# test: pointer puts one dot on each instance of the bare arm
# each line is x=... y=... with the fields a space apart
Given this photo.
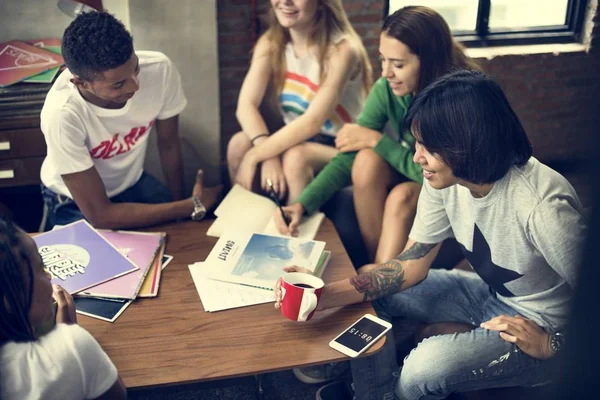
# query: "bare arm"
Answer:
x=402 y=272
x=89 y=194
x=169 y=149
x=253 y=91
x=116 y=392
x=341 y=64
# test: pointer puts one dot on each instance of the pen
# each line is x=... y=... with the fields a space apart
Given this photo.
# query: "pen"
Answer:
x=274 y=195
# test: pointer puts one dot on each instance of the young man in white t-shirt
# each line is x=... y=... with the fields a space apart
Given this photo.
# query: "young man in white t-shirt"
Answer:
x=96 y=120
x=520 y=226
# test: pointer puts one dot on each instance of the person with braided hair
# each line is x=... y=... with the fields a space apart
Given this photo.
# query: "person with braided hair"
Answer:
x=64 y=363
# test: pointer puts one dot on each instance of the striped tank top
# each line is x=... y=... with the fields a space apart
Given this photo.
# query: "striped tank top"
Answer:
x=301 y=86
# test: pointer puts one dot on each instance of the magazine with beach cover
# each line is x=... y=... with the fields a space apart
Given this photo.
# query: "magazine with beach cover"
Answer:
x=257 y=260
x=78 y=257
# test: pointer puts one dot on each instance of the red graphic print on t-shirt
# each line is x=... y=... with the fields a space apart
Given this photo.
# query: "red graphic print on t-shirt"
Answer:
x=120 y=144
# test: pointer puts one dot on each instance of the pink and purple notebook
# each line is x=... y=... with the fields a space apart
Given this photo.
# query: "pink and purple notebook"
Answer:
x=78 y=257
x=139 y=247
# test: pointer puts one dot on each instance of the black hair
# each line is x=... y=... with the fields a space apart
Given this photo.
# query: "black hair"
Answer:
x=466 y=120
x=15 y=292
x=95 y=42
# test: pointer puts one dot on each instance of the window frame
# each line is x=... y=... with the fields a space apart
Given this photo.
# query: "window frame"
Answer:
x=482 y=36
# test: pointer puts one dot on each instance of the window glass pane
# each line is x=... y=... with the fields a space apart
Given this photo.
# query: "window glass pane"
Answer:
x=527 y=13
x=461 y=15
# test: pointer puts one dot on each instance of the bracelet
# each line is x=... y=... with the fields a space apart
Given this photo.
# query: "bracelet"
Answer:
x=256 y=137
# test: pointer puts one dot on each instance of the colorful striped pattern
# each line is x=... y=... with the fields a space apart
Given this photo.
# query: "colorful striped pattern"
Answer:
x=298 y=92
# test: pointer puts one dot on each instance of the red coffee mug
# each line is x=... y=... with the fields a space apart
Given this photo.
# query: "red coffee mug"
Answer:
x=300 y=295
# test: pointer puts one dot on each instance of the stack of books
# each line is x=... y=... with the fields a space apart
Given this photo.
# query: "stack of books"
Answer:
x=242 y=268
x=27 y=70
x=104 y=270
x=244 y=265
x=36 y=61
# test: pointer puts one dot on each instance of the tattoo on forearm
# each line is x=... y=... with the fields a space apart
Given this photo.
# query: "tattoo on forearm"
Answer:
x=388 y=277
x=416 y=251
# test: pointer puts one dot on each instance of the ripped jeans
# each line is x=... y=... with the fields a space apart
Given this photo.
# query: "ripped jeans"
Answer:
x=443 y=364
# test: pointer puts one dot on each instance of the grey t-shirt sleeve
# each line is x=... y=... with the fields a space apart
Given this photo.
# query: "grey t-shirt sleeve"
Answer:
x=431 y=223
x=558 y=231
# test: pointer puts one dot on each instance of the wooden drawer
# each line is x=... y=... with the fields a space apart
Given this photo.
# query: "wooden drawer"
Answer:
x=22 y=143
x=20 y=172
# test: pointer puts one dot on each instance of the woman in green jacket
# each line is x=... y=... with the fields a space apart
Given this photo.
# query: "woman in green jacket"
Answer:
x=416 y=47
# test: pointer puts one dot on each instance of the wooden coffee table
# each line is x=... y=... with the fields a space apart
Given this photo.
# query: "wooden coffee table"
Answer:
x=170 y=339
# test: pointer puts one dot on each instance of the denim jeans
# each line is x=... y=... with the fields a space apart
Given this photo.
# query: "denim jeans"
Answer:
x=443 y=364
x=63 y=210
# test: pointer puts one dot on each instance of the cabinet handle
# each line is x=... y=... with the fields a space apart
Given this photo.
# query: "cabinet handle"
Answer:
x=5 y=145
x=7 y=174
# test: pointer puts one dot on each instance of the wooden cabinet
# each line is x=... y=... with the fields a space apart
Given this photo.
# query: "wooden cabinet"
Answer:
x=22 y=151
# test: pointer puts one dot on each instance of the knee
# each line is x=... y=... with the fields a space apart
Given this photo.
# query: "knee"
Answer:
x=403 y=199
x=236 y=148
x=425 y=370
x=293 y=161
x=366 y=170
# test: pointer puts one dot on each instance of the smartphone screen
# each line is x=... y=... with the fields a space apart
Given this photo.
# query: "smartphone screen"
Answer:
x=360 y=335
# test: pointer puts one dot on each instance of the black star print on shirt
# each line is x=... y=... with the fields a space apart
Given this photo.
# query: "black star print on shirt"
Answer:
x=481 y=260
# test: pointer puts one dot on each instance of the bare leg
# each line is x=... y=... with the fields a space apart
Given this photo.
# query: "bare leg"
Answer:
x=300 y=164
x=372 y=179
x=398 y=217
x=238 y=145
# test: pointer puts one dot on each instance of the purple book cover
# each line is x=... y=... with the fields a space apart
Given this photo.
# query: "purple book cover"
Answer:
x=140 y=248
x=77 y=257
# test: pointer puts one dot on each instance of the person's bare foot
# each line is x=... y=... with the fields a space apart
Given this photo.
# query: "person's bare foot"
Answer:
x=209 y=196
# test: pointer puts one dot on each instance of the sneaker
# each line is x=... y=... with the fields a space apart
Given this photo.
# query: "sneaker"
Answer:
x=321 y=373
x=335 y=391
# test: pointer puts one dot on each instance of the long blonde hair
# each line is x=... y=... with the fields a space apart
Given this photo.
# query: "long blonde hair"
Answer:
x=330 y=19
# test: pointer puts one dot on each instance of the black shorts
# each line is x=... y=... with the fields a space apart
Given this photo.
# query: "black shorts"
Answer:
x=321 y=138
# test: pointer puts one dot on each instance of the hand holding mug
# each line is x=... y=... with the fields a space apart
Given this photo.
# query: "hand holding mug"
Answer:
x=277 y=288
x=298 y=294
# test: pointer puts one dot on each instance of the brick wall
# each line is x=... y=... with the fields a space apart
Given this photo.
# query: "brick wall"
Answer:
x=557 y=97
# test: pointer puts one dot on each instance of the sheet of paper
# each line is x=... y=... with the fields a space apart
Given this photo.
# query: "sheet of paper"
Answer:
x=242 y=210
x=217 y=295
x=307 y=229
x=240 y=199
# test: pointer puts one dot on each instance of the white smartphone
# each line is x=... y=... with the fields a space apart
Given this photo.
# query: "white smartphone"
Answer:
x=361 y=335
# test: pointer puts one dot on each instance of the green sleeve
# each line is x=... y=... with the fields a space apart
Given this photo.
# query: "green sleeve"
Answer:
x=336 y=175
x=374 y=114
x=399 y=157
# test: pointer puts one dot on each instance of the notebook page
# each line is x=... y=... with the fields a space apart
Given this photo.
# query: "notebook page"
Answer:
x=242 y=210
x=307 y=230
x=217 y=295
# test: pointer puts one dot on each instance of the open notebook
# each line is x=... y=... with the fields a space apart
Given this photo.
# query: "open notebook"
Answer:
x=244 y=211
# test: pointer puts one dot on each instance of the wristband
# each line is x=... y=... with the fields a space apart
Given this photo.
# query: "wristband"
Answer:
x=256 y=137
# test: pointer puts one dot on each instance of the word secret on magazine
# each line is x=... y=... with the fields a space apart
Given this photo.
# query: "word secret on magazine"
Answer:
x=59 y=265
